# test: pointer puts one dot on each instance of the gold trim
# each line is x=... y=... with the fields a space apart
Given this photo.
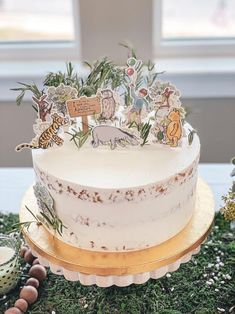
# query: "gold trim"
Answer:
x=123 y=263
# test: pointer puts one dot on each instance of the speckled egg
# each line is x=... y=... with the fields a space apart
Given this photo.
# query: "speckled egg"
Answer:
x=29 y=293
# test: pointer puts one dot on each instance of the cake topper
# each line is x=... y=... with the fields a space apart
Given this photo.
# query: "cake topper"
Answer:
x=59 y=95
x=114 y=106
x=44 y=107
x=113 y=136
x=84 y=107
x=167 y=127
x=48 y=137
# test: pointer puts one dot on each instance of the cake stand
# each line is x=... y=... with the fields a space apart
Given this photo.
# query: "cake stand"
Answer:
x=120 y=268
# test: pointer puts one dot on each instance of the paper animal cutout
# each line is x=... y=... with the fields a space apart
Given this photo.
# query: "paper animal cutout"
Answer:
x=84 y=107
x=174 y=128
x=49 y=136
x=44 y=108
x=108 y=104
x=167 y=127
x=113 y=136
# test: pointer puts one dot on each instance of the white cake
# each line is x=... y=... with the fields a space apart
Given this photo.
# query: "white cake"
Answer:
x=120 y=200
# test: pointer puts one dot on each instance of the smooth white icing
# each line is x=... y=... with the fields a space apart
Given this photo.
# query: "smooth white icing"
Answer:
x=120 y=168
x=124 y=225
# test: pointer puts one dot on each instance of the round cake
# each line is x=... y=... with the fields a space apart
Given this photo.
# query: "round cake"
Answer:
x=115 y=160
x=123 y=199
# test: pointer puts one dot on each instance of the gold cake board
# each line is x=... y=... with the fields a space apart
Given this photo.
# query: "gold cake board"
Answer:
x=120 y=268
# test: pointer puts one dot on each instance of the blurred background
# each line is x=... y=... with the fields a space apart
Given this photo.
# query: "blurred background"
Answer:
x=193 y=41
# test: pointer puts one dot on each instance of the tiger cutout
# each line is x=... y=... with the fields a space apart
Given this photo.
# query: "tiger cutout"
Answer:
x=49 y=136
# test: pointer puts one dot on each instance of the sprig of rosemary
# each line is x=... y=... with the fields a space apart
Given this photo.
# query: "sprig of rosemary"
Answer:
x=27 y=87
x=79 y=137
x=143 y=129
x=50 y=220
x=191 y=136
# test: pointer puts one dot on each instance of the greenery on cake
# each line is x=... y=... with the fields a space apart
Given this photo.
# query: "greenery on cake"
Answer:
x=137 y=88
x=205 y=285
x=49 y=219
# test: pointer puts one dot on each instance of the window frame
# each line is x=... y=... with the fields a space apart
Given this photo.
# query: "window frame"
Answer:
x=186 y=48
x=55 y=50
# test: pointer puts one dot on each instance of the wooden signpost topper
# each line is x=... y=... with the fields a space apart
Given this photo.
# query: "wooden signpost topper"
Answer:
x=84 y=107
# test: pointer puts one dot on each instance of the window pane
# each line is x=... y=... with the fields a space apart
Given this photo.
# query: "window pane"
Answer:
x=28 y=20
x=198 y=19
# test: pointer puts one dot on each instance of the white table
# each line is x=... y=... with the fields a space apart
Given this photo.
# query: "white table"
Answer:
x=14 y=182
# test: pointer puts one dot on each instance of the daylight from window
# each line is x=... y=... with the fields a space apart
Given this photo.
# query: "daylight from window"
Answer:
x=30 y=21
x=198 y=19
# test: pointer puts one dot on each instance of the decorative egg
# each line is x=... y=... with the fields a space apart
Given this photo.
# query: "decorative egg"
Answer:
x=13 y=310
x=23 y=250
x=38 y=271
x=32 y=282
x=21 y=304
x=36 y=261
x=130 y=71
x=29 y=293
x=28 y=257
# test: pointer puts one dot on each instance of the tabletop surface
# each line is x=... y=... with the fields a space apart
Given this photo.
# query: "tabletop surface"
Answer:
x=15 y=181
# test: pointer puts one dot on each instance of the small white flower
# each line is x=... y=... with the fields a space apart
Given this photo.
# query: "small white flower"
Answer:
x=222 y=282
x=208 y=283
x=220 y=309
x=229 y=277
x=210 y=265
x=217 y=266
x=216 y=290
x=216 y=278
x=172 y=289
x=221 y=264
x=215 y=249
x=53 y=312
x=168 y=275
x=216 y=227
x=85 y=306
x=205 y=275
x=217 y=259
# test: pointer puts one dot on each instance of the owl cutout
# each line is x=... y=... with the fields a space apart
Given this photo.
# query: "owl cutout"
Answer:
x=108 y=104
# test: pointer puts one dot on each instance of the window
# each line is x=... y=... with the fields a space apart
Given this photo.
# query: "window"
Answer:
x=38 y=29
x=194 y=28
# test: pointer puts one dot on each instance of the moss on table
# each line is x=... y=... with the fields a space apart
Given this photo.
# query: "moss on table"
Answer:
x=203 y=285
